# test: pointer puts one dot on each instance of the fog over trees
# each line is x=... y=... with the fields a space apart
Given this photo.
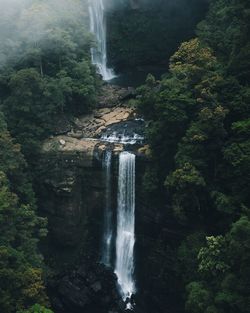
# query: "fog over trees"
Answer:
x=32 y=22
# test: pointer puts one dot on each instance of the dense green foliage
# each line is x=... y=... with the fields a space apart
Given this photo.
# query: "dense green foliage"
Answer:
x=47 y=73
x=198 y=130
x=21 y=282
x=36 y=309
x=45 y=77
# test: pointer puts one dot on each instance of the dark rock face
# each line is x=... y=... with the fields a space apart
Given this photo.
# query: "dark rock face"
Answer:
x=146 y=32
x=70 y=194
x=112 y=95
x=90 y=289
x=127 y=128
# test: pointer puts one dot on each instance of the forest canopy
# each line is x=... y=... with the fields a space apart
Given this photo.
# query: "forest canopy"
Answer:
x=198 y=118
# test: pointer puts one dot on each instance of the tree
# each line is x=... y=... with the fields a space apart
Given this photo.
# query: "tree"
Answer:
x=29 y=113
x=187 y=184
x=20 y=270
x=198 y=130
x=36 y=309
x=226 y=30
x=13 y=164
x=224 y=269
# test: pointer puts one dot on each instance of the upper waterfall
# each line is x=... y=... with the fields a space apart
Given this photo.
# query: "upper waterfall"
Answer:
x=125 y=240
x=98 y=28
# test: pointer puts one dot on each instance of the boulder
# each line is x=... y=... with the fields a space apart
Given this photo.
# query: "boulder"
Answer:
x=62 y=142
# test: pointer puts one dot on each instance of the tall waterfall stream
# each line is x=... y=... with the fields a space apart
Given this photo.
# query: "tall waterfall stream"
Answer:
x=98 y=28
x=125 y=239
x=125 y=226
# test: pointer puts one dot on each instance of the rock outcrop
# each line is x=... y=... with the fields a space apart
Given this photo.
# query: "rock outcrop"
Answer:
x=93 y=125
x=111 y=96
x=89 y=288
x=85 y=134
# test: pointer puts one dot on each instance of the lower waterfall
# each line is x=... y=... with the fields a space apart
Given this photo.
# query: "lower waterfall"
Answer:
x=108 y=215
x=125 y=239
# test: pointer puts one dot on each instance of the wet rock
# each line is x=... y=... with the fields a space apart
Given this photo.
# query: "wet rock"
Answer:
x=96 y=286
x=73 y=292
x=100 y=130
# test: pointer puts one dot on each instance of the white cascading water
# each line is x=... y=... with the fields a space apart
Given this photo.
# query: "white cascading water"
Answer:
x=98 y=28
x=108 y=224
x=125 y=240
x=124 y=139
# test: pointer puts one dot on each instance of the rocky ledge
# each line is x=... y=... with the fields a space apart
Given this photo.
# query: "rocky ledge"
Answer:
x=93 y=125
x=86 y=133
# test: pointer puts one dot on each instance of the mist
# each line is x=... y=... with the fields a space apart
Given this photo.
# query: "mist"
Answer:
x=30 y=23
x=27 y=22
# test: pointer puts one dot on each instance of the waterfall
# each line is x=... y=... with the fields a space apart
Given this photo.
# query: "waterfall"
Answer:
x=108 y=223
x=125 y=240
x=124 y=139
x=98 y=28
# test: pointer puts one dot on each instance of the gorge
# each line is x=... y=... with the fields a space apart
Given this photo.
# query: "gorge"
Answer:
x=113 y=146
x=124 y=156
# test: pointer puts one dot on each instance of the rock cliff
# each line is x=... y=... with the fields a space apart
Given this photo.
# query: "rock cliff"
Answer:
x=71 y=193
x=71 y=184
